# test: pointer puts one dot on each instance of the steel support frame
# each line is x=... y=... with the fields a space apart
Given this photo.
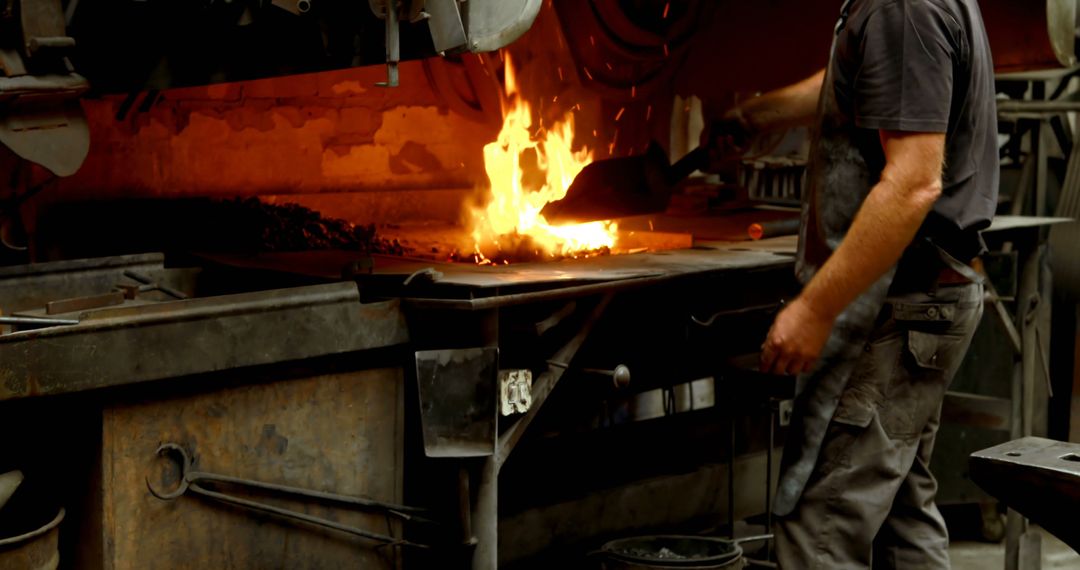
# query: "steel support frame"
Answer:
x=483 y=515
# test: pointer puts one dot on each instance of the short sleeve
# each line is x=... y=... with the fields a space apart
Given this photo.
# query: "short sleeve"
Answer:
x=905 y=78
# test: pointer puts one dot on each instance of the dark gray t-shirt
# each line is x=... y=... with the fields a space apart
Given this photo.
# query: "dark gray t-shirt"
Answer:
x=925 y=66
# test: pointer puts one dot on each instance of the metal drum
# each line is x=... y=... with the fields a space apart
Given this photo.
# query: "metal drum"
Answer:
x=670 y=551
x=34 y=550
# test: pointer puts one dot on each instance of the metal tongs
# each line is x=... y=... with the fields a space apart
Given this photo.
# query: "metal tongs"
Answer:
x=192 y=480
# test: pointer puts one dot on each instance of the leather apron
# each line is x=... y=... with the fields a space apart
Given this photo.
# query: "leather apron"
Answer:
x=839 y=179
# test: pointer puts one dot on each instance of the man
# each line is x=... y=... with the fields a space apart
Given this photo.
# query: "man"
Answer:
x=903 y=173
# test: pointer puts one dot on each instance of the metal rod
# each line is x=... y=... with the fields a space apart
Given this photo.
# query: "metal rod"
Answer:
x=148 y=282
x=994 y=299
x=393 y=44
x=1027 y=175
x=1016 y=107
x=768 y=478
x=1039 y=135
x=773 y=307
x=36 y=321
x=262 y=507
x=199 y=477
x=465 y=505
x=731 y=466
x=485 y=517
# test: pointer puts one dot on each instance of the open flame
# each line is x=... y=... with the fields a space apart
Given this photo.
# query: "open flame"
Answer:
x=527 y=168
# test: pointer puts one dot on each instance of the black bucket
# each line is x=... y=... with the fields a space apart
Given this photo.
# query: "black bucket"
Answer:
x=665 y=552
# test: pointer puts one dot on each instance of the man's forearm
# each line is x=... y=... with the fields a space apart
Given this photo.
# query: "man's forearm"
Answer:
x=791 y=106
x=885 y=225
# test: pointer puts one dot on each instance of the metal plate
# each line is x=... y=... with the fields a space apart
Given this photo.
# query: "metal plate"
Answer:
x=447 y=30
x=55 y=136
x=458 y=401
x=495 y=23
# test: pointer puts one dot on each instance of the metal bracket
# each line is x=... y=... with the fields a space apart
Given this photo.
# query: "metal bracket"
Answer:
x=784 y=410
x=515 y=391
x=393 y=41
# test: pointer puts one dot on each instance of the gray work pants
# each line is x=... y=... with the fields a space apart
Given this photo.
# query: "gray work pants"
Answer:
x=870 y=499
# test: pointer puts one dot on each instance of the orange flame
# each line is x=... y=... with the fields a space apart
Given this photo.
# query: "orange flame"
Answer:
x=513 y=212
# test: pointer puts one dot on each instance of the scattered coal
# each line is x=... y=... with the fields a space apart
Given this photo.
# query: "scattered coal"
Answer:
x=241 y=225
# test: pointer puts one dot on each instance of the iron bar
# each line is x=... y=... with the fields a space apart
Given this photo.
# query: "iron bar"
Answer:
x=485 y=516
x=1038 y=108
x=36 y=321
x=731 y=463
x=536 y=296
x=400 y=511
x=768 y=477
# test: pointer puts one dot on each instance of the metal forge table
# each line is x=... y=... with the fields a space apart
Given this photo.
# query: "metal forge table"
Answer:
x=490 y=345
x=481 y=350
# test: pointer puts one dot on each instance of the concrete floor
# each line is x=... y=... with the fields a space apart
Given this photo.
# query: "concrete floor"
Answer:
x=965 y=555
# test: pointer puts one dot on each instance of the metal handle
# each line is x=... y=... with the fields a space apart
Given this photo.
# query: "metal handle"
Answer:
x=755 y=538
x=620 y=375
x=36 y=321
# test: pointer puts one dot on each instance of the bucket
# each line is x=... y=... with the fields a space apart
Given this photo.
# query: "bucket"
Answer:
x=34 y=550
x=666 y=552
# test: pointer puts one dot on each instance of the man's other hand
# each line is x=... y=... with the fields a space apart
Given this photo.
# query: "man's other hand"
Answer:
x=795 y=340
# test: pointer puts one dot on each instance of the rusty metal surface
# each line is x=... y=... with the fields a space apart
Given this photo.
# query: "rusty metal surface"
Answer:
x=1039 y=478
x=338 y=433
x=126 y=345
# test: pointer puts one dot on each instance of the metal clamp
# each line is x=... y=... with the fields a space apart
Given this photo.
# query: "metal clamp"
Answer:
x=770 y=308
x=192 y=480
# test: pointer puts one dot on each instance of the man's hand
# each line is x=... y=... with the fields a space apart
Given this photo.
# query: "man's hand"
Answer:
x=726 y=139
x=795 y=339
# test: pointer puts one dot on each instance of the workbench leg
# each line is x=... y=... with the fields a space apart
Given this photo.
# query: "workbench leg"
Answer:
x=485 y=518
x=1014 y=528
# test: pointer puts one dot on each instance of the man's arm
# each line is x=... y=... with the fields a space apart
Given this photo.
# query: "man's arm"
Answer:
x=792 y=106
x=885 y=225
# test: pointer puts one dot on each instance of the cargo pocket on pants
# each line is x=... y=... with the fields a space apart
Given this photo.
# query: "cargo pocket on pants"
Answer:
x=919 y=382
x=865 y=390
